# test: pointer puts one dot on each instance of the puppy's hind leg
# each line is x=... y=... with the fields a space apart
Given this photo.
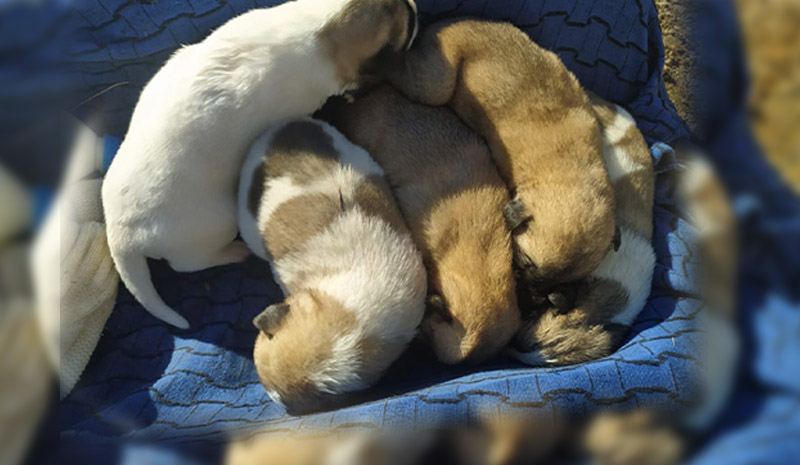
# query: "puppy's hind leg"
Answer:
x=234 y=252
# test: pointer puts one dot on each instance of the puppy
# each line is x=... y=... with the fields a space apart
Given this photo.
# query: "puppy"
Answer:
x=593 y=323
x=542 y=134
x=452 y=197
x=317 y=207
x=170 y=192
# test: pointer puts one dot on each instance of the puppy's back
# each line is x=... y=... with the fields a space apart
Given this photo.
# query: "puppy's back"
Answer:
x=452 y=197
x=407 y=139
x=308 y=196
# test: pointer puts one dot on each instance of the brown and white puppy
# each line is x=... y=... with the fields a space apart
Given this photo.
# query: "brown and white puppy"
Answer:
x=318 y=208
x=592 y=323
x=542 y=134
x=452 y=198
x=170 y=192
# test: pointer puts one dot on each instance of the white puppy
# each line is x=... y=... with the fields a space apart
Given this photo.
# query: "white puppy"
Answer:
x=170 y=192
x=319 y=209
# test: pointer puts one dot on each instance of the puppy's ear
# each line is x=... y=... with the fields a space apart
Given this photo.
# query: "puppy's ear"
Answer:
x=617 y=240
x=515 y=214
x=271 y=319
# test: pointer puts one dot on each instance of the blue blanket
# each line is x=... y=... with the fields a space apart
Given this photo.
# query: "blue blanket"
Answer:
x=192 y=389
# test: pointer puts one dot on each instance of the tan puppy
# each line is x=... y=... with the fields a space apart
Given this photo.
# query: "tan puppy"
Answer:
x=318 y=208
x=592 y=322
x=452 y=197
x=542 y=133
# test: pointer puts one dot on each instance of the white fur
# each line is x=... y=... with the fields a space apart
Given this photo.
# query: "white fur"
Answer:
x=622 y=122
x=632 y=266
x=338 y=373
x=378 y=273
x=170 y=191
x=618 y=161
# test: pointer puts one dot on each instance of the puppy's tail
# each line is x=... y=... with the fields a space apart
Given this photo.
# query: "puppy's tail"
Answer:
x=135 y=274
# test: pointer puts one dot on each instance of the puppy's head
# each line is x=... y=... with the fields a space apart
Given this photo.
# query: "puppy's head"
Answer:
x=560 y=235
x=367 y=38
x=472 y=308
x=310 y=348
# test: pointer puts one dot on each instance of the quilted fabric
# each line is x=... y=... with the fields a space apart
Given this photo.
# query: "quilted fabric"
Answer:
x=193 y=388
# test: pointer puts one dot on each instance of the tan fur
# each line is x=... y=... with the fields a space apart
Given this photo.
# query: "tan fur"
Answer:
x=517 y=439
x=301 y=218
x=298 y=220
x=284 y=361
x=637 y=437
x=302 y=163
x=367 y=37
x=452 y=198
x=633 y=194
x=374 y=197
x=541 y=131
x=302 y=151
x=585 y=331
x=312 y=346
x=277 y=449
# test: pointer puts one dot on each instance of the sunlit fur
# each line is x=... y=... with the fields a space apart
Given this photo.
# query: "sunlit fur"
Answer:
x=452 y=197
x=170 y=192
x=317 y=207
x=542 y=133
x=614 y=293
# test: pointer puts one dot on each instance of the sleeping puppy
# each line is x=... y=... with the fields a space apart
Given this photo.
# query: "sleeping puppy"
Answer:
x=452 y=197
x=542 y=134
x=170 y=192
x=317 y=207
x=592 y=323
